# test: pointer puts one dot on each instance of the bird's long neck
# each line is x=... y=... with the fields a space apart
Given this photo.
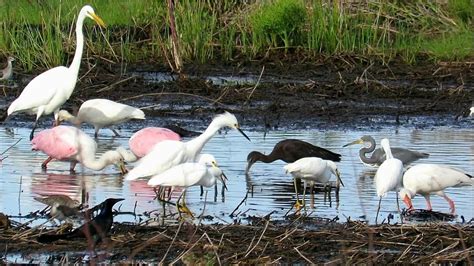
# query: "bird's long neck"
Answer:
x=367 y=160
x=268 y=158
x=388 y=153
x=198 y=143
x=76 y=62
x=104 y=160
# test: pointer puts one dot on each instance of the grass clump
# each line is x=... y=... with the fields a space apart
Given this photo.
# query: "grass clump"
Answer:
x=278 y=23
x=451 y=46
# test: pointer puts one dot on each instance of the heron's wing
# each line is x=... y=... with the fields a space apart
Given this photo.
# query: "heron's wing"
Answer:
x=163 y=156
x=182 y=175
x=298 y=149
x=41 y=90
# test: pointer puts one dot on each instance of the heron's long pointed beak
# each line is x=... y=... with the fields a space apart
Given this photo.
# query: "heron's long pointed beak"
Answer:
x=97 y=19
x=245 y=135
x=359 y=141
x=338 y=175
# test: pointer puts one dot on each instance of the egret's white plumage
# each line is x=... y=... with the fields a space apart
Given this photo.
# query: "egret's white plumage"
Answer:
x=313 y=169
x=389 y=175
x=425 y=179
x=169 y=153
x=472 y=111
x=48 y=91
x=102 y=113
x=187 y=175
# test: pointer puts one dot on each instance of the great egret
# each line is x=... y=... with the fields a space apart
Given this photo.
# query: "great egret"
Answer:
x=186 y=175
x=66 y=143
x=102 y=113
x=378 y=156
x=47 y=92
x=425 y=179
x=312 y=169
x=389 y=175
x=290 y=150
x=169 y=153
x=7 y=72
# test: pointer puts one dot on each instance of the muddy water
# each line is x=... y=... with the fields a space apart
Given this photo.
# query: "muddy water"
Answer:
x=22 y=177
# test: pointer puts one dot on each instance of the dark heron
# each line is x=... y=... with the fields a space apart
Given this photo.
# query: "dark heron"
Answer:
x=290 y=150
x=378 y=156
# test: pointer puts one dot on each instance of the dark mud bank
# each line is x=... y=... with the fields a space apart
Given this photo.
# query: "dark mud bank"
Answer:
x=329 y=94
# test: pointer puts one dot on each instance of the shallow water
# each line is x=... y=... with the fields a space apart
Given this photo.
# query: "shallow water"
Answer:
x=22 y=176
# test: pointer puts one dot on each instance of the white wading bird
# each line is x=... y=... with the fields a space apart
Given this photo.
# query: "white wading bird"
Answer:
x=102 y=113
x=425 y=179
x=389 y=175
x=312 y=169
x=169 y=153
x=47 y=92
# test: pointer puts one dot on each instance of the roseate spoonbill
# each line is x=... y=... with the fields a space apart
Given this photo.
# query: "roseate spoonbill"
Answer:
x=7 y=72
x=312 y=169
x=47 y=92
x=425 y=179
x=290 y=150
x=102 y=113
x=378 y=156
x=67 y=143
x=142 y=141
x=169 y=153
x=389 y=175
x=186 y=175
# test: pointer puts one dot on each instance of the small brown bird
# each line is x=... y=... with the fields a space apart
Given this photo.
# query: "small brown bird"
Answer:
x=7 y=72
x=63 y=207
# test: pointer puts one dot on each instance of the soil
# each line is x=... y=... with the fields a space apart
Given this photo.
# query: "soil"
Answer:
x=335 y=93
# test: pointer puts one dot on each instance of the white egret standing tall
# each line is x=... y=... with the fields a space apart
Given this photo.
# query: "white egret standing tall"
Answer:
x=47 y=92
x=389 y=175
x=425 y=179
x=169 y=153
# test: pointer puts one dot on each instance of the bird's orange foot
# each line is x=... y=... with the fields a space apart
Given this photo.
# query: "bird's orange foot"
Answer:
x=299 y=205
x=185 y=209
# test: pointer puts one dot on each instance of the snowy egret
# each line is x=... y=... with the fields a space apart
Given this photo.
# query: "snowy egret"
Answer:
x=102 y=113
x=169 y=153
x=186 y=175
x=66 y=143
x=47 y=92
x=378 y=156
x=312 y=169
x=290 y=150
x=425 y=179
x=389 y=175
x=472 y=111
x=7 y=72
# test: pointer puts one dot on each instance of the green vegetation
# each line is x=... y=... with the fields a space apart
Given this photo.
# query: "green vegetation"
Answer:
x=40 y=33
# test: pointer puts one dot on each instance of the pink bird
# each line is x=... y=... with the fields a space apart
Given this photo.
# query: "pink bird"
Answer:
x=66 y=143
x=143 y=140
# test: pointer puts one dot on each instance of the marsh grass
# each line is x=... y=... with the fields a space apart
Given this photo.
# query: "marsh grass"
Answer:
x=41 y=33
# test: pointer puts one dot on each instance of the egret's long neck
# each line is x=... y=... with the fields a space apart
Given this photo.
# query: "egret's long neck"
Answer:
x=107 y=158
x=198 y=143
x=76 y=62
x=388 y=152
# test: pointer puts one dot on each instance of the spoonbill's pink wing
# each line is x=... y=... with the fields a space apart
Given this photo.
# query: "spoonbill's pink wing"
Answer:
x=58 y=142
x=143 y=140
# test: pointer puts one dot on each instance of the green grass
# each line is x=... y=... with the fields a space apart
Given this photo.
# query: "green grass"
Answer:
x=39 y=32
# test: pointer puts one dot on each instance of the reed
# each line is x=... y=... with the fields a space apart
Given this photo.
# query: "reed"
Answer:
x=40 y=35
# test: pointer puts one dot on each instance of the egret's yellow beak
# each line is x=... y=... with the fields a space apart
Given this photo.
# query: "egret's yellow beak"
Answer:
x=359 y=141
x=97 y=19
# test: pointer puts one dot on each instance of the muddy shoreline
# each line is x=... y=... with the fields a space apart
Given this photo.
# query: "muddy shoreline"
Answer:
x=337 y=93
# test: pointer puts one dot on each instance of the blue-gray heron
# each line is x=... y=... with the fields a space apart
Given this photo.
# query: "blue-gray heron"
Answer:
x=378 y=156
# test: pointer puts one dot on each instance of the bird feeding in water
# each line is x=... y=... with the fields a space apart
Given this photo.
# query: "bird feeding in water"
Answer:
x=7 y=72
x=47 y=92
x=186 y=175
x=425 y=179
x=389 y=175
x=142 y=141
x=169 y=153
x=312 y=169
x=290 y=150
x=378 y=156
x=102 y=113
x=66 y=143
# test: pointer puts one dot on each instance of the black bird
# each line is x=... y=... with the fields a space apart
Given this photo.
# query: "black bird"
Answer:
x=181 y=131
x=290 y=150
x=378 y=156
x=94 y=230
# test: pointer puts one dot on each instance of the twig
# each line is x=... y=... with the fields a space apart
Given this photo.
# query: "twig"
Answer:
x=241 y=202
x=172 y=242
x=256 y=84
x=11 y=146
x=109 y=87
x=260 y=238
x=170 y=93
x=308 y=260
